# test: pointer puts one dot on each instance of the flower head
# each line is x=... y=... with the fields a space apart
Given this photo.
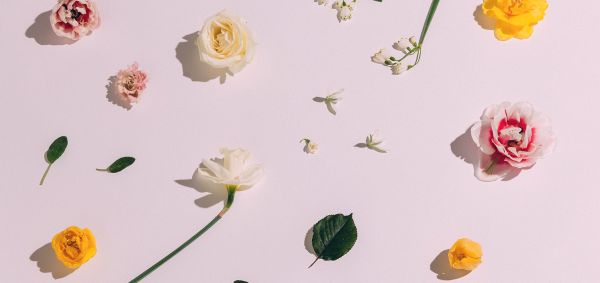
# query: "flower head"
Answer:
x=74 y=246
x=514 y=18
x=232 y=169
x=398 y=68
x=310 y=147
x=380 y=57
x=225 y=42
x=74 y=18
x=405 y=45
x=513 y=137
x=465 y=254
x=131 y=82
x=344 y=9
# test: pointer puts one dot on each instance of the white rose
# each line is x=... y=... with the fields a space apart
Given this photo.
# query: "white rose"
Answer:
x=225 y=42
x=233 y=169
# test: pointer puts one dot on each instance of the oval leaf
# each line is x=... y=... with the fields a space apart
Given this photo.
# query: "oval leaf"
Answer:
x=120 y=164
x=56 y=149
x=334 y=236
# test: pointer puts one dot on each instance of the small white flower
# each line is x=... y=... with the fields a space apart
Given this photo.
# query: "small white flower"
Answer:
x=373 y=141
x=310 y=147
x=413 y=41
x=232 y=171
x=380 y=57
x=321 y=2
x=344 y=8
x=398 y=68
x=345 y=13
x=403 y=45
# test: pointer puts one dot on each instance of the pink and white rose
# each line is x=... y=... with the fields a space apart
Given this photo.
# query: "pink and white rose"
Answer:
x=511 y=137
x=131 y=82
x=74 y=18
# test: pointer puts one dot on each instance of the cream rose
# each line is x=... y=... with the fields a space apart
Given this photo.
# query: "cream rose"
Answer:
x=225 y=42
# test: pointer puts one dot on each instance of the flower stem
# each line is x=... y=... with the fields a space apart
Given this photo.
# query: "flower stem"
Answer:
x=430 y=14
x=231 y=189
x=45 y=174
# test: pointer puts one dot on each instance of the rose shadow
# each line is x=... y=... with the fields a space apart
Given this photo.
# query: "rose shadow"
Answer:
x=216 y=193
x=41 y=31
x=113 y=96
x=482 y=20
x=48 y=263
x=441 y=266
x=188 y=55
x=465 y=149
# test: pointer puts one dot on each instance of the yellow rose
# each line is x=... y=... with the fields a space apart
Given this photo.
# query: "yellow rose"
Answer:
x=514 y=18
x=225 y=42
x=465 y=254
x=74 y=246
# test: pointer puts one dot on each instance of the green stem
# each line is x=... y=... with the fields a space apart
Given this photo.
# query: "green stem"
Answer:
x=430 y=14
x=313 y=263
x=231 y=189
x=101 y=170
x=45 y=174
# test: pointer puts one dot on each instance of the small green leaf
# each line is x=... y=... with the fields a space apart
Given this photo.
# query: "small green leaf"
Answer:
x=333 y=237
x=119 y=165
x=56 y=149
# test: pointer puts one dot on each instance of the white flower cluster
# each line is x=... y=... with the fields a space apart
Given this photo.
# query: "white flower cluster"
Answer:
x=408 y=46
x=344 y=8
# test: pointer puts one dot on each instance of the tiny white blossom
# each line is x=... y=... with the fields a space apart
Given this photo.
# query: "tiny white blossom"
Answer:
x=413 y=40
x=321 y=2
x=310 y=147
x=398 y=68
x=380 y=57
x=403 y=45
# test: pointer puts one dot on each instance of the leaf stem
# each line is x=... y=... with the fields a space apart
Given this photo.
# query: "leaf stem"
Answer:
x=313 y=263
x=101 y=170
x=231 y=189
x=45 y=174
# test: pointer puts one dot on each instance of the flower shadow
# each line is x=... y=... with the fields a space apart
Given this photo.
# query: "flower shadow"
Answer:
x=41 y=31
x=113 y=96
x=48 y=263
x=465 y=148
x=215 y=193
x=193 y=68
x=441 y=266
x=482 y=20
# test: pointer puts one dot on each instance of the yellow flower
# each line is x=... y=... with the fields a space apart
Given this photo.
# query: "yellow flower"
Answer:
x=514 y=18
x=74 y=246
x=465 y=254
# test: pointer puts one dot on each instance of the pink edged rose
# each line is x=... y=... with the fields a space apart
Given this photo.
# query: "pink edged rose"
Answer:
x=131 y=82
x=511 y=137
x=74 y=18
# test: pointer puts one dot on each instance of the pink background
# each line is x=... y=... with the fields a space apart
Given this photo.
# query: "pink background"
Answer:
x=409 y=205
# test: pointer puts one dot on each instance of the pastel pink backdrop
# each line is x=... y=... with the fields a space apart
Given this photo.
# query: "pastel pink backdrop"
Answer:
x=409 y=205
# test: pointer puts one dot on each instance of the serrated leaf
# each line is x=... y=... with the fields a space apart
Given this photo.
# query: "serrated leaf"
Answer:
x=333 y=236
x=56 y=149
x=120 y=164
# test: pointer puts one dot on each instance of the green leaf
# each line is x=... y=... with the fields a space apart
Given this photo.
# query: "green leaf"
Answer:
x=56 y=149
x=333 y=237
x=119 y=164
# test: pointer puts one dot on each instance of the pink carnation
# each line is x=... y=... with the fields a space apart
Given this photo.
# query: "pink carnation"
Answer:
x=74 y=18
x=131 y=82
x=511 y=137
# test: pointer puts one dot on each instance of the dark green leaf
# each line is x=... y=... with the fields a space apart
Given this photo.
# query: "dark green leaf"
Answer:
x=333 y=236
x=56 y=149
x=120 y=164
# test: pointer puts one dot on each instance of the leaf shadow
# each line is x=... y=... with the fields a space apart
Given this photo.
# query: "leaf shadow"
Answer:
x=441 y=266
x=308 y=241
x=41 y=31
x=482 y=20
x=361 y=145
x=48 y=263
x=465 y=149
x=113 y=96
x=192 y=67
x=318 y=99
x=214 y=193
